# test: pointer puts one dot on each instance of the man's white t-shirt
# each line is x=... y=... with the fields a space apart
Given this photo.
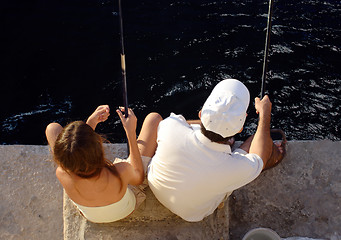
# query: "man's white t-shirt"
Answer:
x=190 y=175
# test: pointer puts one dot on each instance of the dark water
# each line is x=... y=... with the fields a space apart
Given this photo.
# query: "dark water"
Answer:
x=61 y=59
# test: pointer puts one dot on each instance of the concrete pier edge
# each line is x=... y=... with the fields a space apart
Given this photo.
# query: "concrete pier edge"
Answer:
x=299 y=198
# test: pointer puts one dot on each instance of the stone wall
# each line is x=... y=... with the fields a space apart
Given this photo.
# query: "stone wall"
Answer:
x=31 y=205
x=300 y=197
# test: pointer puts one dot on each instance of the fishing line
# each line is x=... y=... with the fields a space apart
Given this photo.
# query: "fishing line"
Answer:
x=123 y=63
x=266 y=51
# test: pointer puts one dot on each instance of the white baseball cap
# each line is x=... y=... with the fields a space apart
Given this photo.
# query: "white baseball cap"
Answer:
x=224 y=111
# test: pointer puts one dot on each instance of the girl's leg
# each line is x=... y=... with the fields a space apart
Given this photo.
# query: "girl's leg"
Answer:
x=148 y=134
x=52 y=131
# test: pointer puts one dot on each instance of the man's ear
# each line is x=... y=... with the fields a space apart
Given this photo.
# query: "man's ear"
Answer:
x=199 y=114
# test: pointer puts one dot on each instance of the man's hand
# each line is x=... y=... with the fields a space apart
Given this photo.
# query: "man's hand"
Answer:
x=101 y=114
x=263 y=107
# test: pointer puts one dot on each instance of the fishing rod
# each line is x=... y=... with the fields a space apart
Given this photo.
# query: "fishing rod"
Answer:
x=273 y=132
x=266 y=51
x=123 y=63
x=123 y=68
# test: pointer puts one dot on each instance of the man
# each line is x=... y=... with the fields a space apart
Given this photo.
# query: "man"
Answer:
x=193 y=169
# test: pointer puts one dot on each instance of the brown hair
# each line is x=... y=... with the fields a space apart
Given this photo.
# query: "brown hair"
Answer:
x=79 y=149
x=214 y=137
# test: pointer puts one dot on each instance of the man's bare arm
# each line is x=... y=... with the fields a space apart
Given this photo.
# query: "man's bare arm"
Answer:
x=262 y=143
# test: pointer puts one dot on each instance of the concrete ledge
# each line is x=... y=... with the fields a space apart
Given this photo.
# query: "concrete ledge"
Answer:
x=151 y=221
x=30 y=199
x=299 y=198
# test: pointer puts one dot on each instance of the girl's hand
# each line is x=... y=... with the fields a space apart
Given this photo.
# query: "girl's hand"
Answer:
x=101 y=114
x=129 y=123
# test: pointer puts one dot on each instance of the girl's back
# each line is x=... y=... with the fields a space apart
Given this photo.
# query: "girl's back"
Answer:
x=101 y=190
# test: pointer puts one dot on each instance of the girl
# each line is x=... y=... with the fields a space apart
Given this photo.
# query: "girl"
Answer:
x=96 y=186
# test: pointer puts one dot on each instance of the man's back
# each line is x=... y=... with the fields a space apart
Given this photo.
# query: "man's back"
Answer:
x=191 y=175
